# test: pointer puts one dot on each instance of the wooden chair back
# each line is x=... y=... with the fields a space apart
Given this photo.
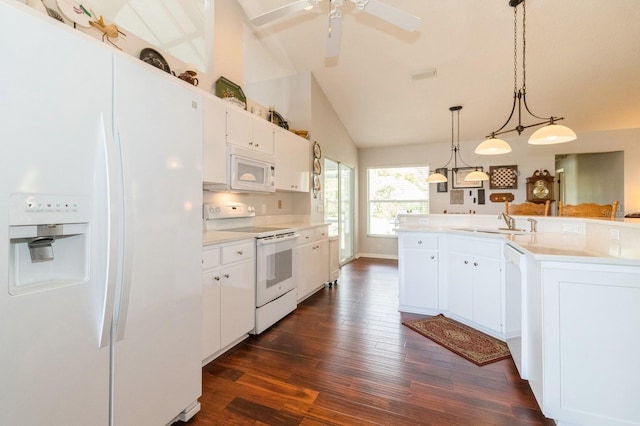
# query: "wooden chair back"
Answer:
x=528 y=209
x=606 y=211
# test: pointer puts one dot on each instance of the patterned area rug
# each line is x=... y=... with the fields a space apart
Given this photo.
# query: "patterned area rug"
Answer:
x=471 y=344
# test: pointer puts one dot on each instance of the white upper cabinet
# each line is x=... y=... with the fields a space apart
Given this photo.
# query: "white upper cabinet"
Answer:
x=249 y=131
x=293 y=161
x=215 y=162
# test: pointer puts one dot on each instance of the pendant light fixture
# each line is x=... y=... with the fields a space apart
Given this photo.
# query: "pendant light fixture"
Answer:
x=552 y=133
x=476 y=175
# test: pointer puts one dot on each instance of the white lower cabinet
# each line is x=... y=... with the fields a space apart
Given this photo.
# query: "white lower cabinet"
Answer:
x=313 y=261
x=228 y=281
x=418 y=264
x=475 y=282
x=587 y=370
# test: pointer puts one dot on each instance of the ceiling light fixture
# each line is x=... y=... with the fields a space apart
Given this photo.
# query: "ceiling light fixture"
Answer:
x=552 y=133
x=476 y=175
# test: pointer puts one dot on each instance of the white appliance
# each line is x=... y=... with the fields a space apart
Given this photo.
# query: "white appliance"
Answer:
x=276 y=260
x=276 y=277
x=100 y=232
x=515 y=308
x=251 y=171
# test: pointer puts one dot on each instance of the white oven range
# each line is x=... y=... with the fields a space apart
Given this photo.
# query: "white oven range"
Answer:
x=276 y=253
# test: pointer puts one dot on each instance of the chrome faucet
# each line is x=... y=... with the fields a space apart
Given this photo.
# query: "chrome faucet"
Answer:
x=511 y=222
x=533 y=224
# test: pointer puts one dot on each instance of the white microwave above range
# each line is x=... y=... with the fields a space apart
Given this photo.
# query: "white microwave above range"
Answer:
x=249 y=171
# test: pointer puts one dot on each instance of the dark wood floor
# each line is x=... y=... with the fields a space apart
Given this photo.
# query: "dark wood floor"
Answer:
x=344 y=358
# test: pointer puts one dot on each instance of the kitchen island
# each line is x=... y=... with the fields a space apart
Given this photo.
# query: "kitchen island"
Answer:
x=577 y=309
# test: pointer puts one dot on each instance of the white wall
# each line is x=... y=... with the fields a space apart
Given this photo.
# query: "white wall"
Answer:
x=527 y=157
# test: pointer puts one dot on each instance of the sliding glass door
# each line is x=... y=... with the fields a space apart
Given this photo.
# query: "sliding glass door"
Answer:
x=338 y=205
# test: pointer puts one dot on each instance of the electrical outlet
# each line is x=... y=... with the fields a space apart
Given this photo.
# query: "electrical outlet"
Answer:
x=614 y=234
x=264 y=208
x=424 y=220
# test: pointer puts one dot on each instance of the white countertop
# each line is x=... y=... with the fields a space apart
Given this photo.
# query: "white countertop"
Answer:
x=553 y=245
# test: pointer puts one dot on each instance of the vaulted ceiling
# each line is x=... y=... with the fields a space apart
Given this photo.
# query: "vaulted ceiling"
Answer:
x=582 y=63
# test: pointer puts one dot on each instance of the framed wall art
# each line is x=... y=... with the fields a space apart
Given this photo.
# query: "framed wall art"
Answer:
x=503 y=177
x=458 y=175
x=442 y=186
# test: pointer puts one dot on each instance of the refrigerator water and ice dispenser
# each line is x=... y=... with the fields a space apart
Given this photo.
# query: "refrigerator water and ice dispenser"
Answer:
x=49 y=244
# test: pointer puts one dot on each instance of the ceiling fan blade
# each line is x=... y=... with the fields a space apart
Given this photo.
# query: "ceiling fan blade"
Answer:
x=393 y=15
x=280 y=12
x=334 y=36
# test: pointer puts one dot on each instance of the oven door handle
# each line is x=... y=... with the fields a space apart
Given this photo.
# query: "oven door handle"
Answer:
x=276 y=239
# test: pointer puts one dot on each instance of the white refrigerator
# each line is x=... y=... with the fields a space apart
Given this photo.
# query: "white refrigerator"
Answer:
x=100 y=232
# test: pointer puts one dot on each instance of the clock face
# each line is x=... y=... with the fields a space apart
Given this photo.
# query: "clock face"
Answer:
x=540 y=189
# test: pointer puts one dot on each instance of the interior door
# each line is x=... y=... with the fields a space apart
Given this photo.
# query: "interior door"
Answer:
x=339 y=205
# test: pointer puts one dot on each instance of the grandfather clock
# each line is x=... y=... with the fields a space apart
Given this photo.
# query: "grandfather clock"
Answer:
x=540 y=187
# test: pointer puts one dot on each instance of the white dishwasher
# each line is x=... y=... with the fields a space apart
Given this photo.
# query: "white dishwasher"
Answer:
x=516 y=307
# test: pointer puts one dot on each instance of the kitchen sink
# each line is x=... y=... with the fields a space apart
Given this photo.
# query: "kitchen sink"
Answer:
x=495 y=231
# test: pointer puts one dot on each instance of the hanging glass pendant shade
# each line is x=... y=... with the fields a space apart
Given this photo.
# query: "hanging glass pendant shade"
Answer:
x=476 y=175
x=436 y=178
x=552 y=134
x=493 y=146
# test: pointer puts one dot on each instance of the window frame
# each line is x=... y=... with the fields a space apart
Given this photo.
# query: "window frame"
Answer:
x=370 y=201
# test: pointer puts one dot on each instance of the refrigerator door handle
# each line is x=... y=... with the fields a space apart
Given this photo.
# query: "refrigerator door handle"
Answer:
x=125 y=250
x=113 y=182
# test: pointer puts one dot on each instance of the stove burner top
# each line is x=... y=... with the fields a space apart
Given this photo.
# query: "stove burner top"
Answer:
x=262 y=231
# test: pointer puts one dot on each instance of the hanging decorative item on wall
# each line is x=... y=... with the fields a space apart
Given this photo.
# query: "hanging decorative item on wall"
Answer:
x=501 y=197
x=503 y=177
x=456 y=196
x=442 y=186
x=540 y=187
x=317 y=169
x=459 y=177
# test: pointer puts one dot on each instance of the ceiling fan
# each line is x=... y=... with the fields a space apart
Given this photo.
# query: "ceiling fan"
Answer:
x=393 y=15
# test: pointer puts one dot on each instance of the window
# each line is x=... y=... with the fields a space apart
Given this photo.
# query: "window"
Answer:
x=392 y=191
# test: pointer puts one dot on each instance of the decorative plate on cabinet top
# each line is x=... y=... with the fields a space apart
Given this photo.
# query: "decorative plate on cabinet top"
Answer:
x=154 y=58
x=317 y=168
x=317 y=152
x=81 y=14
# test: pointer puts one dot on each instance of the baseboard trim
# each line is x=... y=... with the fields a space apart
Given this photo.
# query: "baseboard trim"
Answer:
x=377 y=256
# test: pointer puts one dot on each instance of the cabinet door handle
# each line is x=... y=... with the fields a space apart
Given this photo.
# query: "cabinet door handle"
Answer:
x=433 y=257
x=466 y=262
x=240 y=252
x=475 y=263
x=217 y=278
x=419 y=241
x=226 y=275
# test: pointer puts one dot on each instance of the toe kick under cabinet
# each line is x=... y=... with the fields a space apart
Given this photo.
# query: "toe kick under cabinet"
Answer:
x=228 y=286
